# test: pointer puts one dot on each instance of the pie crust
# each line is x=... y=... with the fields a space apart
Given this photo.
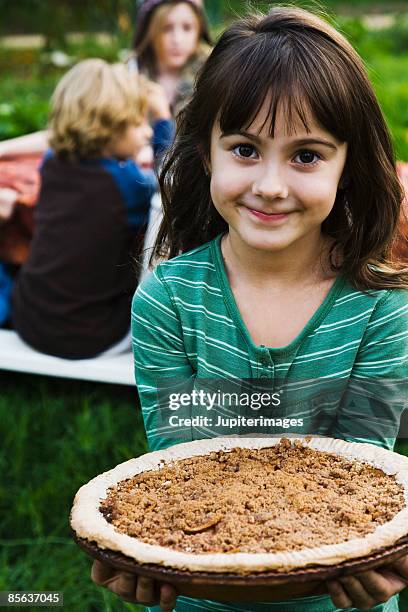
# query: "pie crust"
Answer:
x=88 y=522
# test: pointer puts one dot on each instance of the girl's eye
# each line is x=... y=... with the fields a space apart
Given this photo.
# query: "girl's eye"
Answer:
x=246 y=151
x=307 y=158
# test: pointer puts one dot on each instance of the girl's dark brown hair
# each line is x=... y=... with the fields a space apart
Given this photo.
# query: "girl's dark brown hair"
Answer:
x=308 y=69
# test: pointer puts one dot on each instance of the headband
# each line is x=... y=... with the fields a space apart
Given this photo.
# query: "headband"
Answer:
x=149 y=5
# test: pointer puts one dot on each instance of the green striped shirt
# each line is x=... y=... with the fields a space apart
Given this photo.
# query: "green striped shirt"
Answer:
x=341 y=376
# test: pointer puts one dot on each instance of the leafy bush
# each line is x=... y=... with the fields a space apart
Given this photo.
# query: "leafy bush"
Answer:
x=24 y=105
x=386 y=59
x=30 y=77
x=399 y=34
x=23 y=116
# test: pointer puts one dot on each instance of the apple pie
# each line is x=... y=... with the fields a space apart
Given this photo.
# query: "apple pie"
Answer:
x=248 y=505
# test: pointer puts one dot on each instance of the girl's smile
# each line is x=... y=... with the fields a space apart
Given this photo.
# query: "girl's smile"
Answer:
x=266 y=217
x=275 y=192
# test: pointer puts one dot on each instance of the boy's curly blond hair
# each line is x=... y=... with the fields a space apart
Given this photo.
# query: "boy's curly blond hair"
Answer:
x=92 y=105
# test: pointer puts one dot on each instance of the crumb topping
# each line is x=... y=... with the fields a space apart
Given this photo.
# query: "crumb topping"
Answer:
x=282 y=498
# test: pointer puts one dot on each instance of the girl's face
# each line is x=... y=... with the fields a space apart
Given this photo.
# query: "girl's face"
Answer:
x=178 y=37
x=275 y=192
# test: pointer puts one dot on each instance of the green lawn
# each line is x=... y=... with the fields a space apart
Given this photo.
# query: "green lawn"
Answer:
x=56 y=435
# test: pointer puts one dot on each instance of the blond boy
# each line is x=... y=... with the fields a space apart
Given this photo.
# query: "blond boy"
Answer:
x=72 y=297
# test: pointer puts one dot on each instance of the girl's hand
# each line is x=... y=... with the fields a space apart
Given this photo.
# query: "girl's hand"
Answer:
x=370 y=588
x=145 y=157
x=134 y=589
x=157 y=101
x=8 y=199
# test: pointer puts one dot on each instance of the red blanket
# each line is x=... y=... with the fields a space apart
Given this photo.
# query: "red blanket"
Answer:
x=21 y=174
x=400 y=250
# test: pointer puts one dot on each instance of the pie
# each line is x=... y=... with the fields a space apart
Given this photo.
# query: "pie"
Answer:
x=246 y=505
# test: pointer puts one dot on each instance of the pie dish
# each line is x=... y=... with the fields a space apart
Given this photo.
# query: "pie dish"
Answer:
x=239 y=507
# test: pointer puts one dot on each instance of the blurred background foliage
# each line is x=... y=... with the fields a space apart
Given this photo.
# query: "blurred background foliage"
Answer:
x=55 y=17
x=28 y=74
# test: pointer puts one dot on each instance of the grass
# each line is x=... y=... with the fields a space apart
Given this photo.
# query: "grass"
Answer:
x=56 y=435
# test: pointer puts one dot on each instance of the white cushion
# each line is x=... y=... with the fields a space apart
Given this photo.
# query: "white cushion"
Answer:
x=17 y=356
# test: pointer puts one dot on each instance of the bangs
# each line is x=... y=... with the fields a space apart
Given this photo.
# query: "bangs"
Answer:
x=297 y=78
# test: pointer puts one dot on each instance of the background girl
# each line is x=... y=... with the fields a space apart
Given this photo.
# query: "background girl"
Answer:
x=284 y=168
x=170 y=44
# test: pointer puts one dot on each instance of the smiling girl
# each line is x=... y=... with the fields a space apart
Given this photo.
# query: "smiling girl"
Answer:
x=281 y=201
